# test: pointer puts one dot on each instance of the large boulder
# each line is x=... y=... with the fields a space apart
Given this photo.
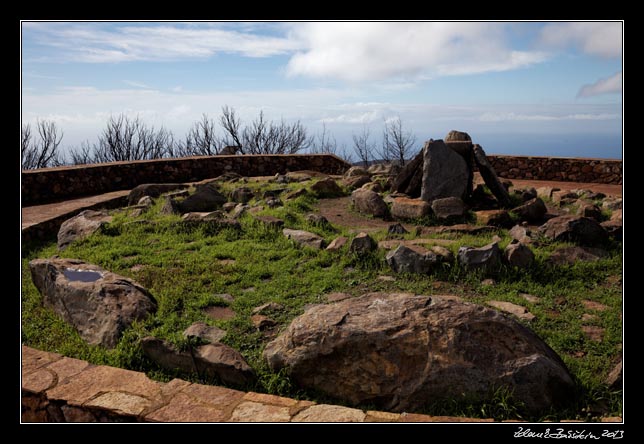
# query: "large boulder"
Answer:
x=489 y=176
x=209 y=360
x=412 y=260
x=152 y=190
x=410 y=179
x=448 y=207
x=369 y=202
x=445 y=173
x=81 y=226
x=402 y=352
x=531 y=211
x=98 y=303
x=485 y=258
x=406 y=208
x=580 y=230
x=205 y=198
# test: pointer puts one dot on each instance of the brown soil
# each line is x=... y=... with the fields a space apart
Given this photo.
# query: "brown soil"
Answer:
x=216 y=312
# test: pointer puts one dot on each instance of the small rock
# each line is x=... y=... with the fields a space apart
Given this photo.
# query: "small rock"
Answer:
x=444 y=254
x=295 y=194
x=204 y=332
x=152 y=189
x=273 y=193
x=369 y=202
x=362 y=243
x=225 y=297
x=396 y=229
x=326 y=188
x=521 y=234
x=612 y=204
x=146 y=201
x=317 y=219
x=546 y=192
x=268 y=308
x=613 y=228
x=273 y=202
x=488 y=282
x=616 y=215
x=494 y=218
x=530 y=298
x=519 y=255
x=352 y=183
x=531 y=211
x=335 y=297
x=559 y=196
x=205 y=198
x=81 y=226
x=406 y=208
x=517 y=310
x=261 y=322
x=528 y=194
x=337 y=243
x=229 y=206
x=448 y=207
x=270 y=221
x=304 y=238
x=486 y=258
x=407 y=260
x=590 y=210
x=580 y=230
x=571 y=255
x=356 y=171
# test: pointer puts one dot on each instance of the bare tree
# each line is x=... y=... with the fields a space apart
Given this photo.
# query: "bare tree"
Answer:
x=231 y=125
x=125 y=139
x=200 y=140
x=345 y=155
x=363 y=147
x=396 y=142
x=324 y=142
x=82 y=155
x=43 y=152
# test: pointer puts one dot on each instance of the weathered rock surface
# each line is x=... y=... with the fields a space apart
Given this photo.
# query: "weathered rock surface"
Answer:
x=152 y=190
x=494 y=218
x=98 y=303
x=210 y=360
x=81 y=226
x=445 y=173
x=327 y=188
x=405 y=208
x=304 y=238
x=401 y=352
x=362 y=243
x=490 y=177
x=242 y=195
x=369 y=202
x=485 y=258
x=356 y=171
x=571 y=255
x=204 y=332
x=397 y=228
x=337 y=243
x=614 y=228
x=412 y=260
x=580 y=230
x=531 y=211
x=614 y=378
x=519 y=255
x=410 y=179
x=205 y=198
x=448 y=207
x=521 y=234
x=353 y=182
x=514 y=309
x=587 y=209
x=612 y=203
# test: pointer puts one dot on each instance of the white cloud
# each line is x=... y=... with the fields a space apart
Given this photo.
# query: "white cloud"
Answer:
x=136 y=84
x=95 y=43
x=378 y=51
x=612 y=84
x=595 y=38
x=368 y=117
x=511 y=116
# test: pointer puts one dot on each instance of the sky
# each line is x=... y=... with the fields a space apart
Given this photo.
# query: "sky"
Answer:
x=523 y=88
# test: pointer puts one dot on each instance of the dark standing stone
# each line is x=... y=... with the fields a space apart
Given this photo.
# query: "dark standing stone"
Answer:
x=410 y=179
x=490 y=177
x=445 y=173
x=462 y=143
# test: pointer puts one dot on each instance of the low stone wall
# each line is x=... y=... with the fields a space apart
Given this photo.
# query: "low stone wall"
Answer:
x=55 y=184
x=558 y=168
x=59 y=389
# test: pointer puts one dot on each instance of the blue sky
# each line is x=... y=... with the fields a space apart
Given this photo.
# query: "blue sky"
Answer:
x=532 y=88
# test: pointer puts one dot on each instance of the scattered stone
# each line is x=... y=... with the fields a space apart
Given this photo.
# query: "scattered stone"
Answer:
x=444 y=254
x=521 y=234
x=519 y=255
x=455 y=229
x=448 y=207
x=530 y=298
x=98 y=303
x=531 y=211
x=261 y=322
x=327 y=188
x=268 y=308
x=337 y=243
x=239 y=210
x=273 y=193
x=386 y=278
x=152 y=190
x=362 y=243
x=205 y=198
x=409 y=180
x=146 y=201
x=488 y=282
x=273 y=202
x=580 y=230
x=242 y=195
x=373 y=186
x=563 y=196
x=586 y=317
x=546 y=192
x=324 y=413
x=592 y=195
x=295 y=194
x=270 y=221
x=406 y=208
x=384 y=169
x=487 y=258
x=589 y=210
x=298 y=176
x=616 y=215
x=445 y=173
x=392 y=244
x=494 y=218
x=528 y=194
x=490 y=177
x=352 y=183
x=514 y=309
x=412 y=260
x=572 y=255
x=317 y=220
x=210 y=360
x=229 y=206
x=219 y=313
x=612 y=204
x=397 y=229
x=213 y=215
x=614 y=378
x=81 y=226
x=401 y=351
x=356 y=171
x=304 y=238
x=369 y=202
x=613 y=228
x=205 y=332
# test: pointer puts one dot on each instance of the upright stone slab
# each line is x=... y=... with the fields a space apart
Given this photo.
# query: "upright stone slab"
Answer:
x=490 y=177
x=461 y=142
x=445 y=173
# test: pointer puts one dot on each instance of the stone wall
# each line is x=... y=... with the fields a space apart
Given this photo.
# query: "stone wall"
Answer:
x=558 y=168
x=55 y=184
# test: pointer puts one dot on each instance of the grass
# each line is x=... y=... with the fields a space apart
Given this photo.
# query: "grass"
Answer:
x=185 y=269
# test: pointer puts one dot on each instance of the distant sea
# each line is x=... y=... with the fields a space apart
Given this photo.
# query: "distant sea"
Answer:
x=605 y=146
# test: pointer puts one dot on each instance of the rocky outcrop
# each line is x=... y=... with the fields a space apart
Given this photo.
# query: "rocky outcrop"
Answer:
x=576 y=229
x=81 y=226
x=401 y=352
x=98 y=303
x=445 y=173
x=210 y=360
x=369 y=202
